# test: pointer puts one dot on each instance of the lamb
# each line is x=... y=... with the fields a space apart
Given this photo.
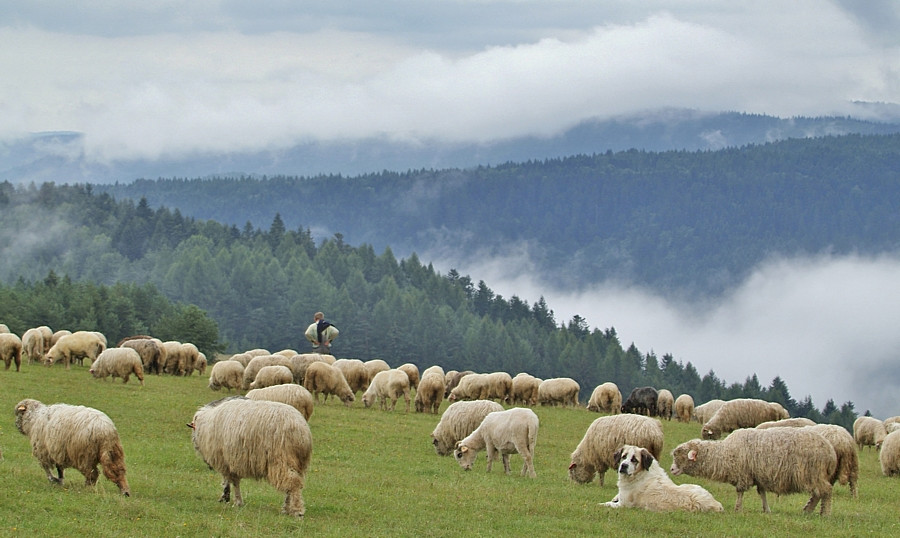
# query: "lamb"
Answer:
x=243 y=438
x=559 y=390
x=259 y=362
x=152 y=352
x=325 y=378
x=11 y=349
x=889 y=457
x=33 y=345
x=525 y=389
x=606 y=398
x=798 y=422
x=704 y=412
x=459 y=420
x=513 y=431
x=869 y=431
x=741 y=413
x=412 y=371
x=272 y=375
x=642 y=401
x=665 y=404
x=289 y=393
x=118 y=362
x=845 y=449
x=388 y=385
x=228 y=374
x=595 y=453
x=78 y=346
x=777 y=460
x=374 y=366
x=430 y=393
x=684 y=408
x=64 y=436
x=354 y=372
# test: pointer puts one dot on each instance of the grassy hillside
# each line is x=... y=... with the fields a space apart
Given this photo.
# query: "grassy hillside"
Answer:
x=373 y=473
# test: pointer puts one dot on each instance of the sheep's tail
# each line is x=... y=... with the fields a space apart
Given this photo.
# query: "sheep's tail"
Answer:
x=112 y=459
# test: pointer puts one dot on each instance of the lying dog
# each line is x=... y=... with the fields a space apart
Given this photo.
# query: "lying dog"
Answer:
x=644 y=484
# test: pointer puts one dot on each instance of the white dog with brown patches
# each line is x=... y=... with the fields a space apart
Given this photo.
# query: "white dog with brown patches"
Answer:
x=644 y=484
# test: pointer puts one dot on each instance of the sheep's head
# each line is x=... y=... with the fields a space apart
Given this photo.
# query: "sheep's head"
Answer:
x=348 y=398
x=684 y=458
x=709 y=433
x=24 y=409
x=465 y=456
x=581 y=471
x=368 y=399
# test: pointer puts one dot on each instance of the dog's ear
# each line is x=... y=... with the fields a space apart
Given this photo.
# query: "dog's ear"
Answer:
x=646 y=459
x=617 y=455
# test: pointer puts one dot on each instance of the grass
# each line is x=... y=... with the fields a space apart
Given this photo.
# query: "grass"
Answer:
x=373 y=473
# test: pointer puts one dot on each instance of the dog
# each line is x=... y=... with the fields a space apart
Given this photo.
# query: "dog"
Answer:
x=644 y=484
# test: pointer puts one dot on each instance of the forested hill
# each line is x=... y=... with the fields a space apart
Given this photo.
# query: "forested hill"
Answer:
x=675 y=221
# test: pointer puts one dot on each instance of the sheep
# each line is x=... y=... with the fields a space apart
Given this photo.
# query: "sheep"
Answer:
x=78 y=346
x=11 y=349
x=272 y=375
x=228 y=374
x=243 y=438
x=559 y=390
x=798 y=422
x=513 y=431
x=118 y=362
x=4 y=328
x=354 y=372
x=299 y=364
x=471 y=387
x=374 y=366
x=33 y=345
x=606 y=398
x=777 y=460
x=190 y=356
x=889 y=457
x=201 y=363
x=704 y=412
x=845 y=449
x=258 y=352
x=64 y=436
x=869 y=431
x=55 y=338
x=174 y=362
x=891 y=420
x=288 y=393
x=741 y=413
x=452 y=380
x=459 y=420
x=152 y=352
x=412 y=371
x=388 y=385
x=665 y=404
x=595 y=453
x=259 y=362
x=243 y=358
x=435 y=368
x=325 y=378
x=525 y=389
x=641 y=401
x=47 y=334
x=430 y=393
x=286 y=353
x=499 y=386
x=684 y=408
x=892 y=427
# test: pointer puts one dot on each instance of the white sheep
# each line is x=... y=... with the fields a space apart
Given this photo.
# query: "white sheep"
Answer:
x=889 y=457
x=471 y=387
x=289 y=393
x=513 y=431
x=201 y=363
x=741 y=413
x=324 y=378
x=64 y=436
x=430 y=393
x=684 y=408
x=595 y=453
x=499 y=386
x=152 y=352
x=33 y=345
x=272 y=375
x=354 y=372
x=525 y=389
x=796 y=422
x=459 y=420
x=11 y=349
x=559 y=390
x=174 y=363
x=435 y=368
x=777 y=460
x=388 y=386
x=190 y=358
x=299 y=364
x=606 y=398
x=259 y=362
x=118 y=362
x=78 y=346
x=452 y=380
x=228 y=374
x=243 y=358
x=243 y=438
x=412 y=371
x=845 y=449
x=869 y=431
x=704 y=412
x=665 y=404
x=374 y=366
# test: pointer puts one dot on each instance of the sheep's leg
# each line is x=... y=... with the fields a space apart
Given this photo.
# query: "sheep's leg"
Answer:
x=826 y=504
x=238 y=499
x=811 y=503
x=91 y=476
x=739 y=503
x=528 y=468
x=406 y=396
x=226 y=491
x=491 y=454
x=393 y=402
x=762 y=495
x=293 y=500
x=505 y=457
x=53 y=480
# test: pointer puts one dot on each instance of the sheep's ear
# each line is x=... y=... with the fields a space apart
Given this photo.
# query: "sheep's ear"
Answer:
x=463 y=449
x=190 y=425
x=646 y=458
x=571 y=465
x=692 y=455
x=20 y=409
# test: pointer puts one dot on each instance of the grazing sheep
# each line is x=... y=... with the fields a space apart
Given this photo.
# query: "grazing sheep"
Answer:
x=354 y=372
x=288 y=393
x=869 y=431
x=513 y=431
x=243 y=438
x=642 y=401
x=64 y=436
x=243 y=358
x=430 y=393
x=11 y=349
x=891 y=420
x=798 y=422
x=845 y=449
x=452 y=380
x=684 y=408
x=190 y=356
x=559 y=390
x=174 y=363
x=33 y=345
x=374 y=366
x=595 y=453
x=388 y=385
x=889 y=457
x=78 y=346
x=258 y=352
x=152 y=352
x=272 y=375
x=412 y=371
x=471 y=387
x=47 y=334
x=606 y=398
x=525 y=389
x=325 y=378
x=132 y=337
x=118 y=362
x=499 y=386
x=892 y=427
x=459 y=420
x=741 y=413
x=286 y=353
x=435 y=368
x=55 y=338
x=201 y=363
x=777 y=460
x=259 y=362
x=665 y=404
x=228 y=374
x=299 y=364
x=704 y=412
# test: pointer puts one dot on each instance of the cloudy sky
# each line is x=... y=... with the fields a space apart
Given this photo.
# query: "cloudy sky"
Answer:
x=168 y=78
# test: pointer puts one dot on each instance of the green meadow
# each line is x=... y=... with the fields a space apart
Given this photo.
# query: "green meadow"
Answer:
x=373 y=473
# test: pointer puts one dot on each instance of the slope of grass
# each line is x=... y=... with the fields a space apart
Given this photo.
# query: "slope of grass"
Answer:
x=372 y=473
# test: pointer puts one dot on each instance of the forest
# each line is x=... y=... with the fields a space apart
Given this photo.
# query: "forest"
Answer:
x=79 y=259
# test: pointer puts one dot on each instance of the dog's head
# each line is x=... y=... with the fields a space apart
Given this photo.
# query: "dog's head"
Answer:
x=629 y=459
